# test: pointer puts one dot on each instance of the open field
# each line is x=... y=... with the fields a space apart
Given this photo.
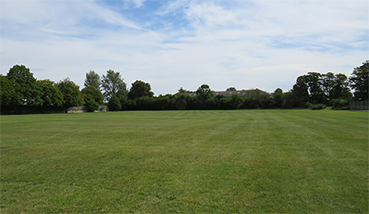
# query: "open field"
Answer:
x=287 y=161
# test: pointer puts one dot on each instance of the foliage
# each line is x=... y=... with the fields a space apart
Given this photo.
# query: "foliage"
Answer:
x=112 y=83
x=71 y=94
x=320 y=88
x=51 y=95
x=93 y=79
x=92 y=98
x=278 y=98
x=140 y=89
x=359 y=81
x=203 y=93
x=340 y=104
x=92 y=93
x=25 y=85
x=315 y=106
x=9 y=95
x=114 y=104
x=91 y=105
x=231 y=89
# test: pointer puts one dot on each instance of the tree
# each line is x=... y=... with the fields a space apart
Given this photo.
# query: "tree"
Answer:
x=9 y=94
x=231 y=89
x=204 y=92
x=92 y=93
x=71 y=94
x=51 y=95
x=93 y=79
x=340 y=89
x=316 y=91
x=278 y=98
x=114 y=104
x=26 y=85
x=300 y=94
x=140 y=89
x=359 y=81
x=92 y=98
x=112 y=83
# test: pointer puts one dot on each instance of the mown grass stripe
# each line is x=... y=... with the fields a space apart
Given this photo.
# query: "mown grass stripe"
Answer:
x=185 y=161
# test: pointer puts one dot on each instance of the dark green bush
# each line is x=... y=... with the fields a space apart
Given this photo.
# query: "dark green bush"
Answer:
x=114 y=104
x=317 y=106
x=340 y=104
x=91 y=105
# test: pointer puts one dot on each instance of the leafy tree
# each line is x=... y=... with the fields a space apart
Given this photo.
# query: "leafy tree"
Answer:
x=278 y=98
x=114 y=104
x=359 y=81
x=92 y=93
x=340 y=89
x=236 y=101
x=51 y=95
x=71 y=94
x=300 y=91
x=231 y=89
x=140 y=89
x=316 y=91
x=92 y=98
x=204 y=92
x=112 y=82
x=26 y=85
x=93 y=79
x=9 y=94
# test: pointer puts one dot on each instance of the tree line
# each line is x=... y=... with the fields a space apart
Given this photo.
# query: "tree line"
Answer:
x=19 y=88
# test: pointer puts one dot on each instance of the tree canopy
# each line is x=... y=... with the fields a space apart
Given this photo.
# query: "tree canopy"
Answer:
x=93 y=79
x=112 y=83
x=140 y=89
x=359 y=81
x=51 y=95
x=25 y=85
x=71 y=94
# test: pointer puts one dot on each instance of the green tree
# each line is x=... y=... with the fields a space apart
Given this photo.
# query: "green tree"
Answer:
x=204 y=92
x=140 y=89
x=231 y=89
x=26 y=85
x=51 y=95
x=92 y=93
x=340 y=89
x=359 y=81
x=112 y=82
x=92 y=98
x=9 y=94
x=114 y=104
x=300 y=92
x=71 y=94
x=93 y=79
x=278 y=98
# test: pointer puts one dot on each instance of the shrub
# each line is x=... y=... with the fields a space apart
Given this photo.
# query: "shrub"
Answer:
x=91 y=105
x=317 y=106
x=340 y=104
x=114 y=104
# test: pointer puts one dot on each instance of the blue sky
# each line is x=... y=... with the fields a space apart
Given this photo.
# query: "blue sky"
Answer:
x=246 y=44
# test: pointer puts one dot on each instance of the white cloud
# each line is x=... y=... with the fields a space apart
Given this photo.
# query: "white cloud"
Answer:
x=246 y=44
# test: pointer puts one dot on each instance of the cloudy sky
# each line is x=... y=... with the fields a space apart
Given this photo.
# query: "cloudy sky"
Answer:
x=170 y=44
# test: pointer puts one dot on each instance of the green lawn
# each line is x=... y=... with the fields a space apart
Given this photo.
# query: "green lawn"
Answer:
x=279 y=161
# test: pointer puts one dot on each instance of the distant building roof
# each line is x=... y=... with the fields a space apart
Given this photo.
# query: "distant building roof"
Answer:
x=242 y=93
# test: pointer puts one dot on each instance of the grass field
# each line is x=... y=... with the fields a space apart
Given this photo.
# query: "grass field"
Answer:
x=288 y=161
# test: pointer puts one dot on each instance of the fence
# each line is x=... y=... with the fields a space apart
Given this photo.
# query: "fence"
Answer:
x=359 y=105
